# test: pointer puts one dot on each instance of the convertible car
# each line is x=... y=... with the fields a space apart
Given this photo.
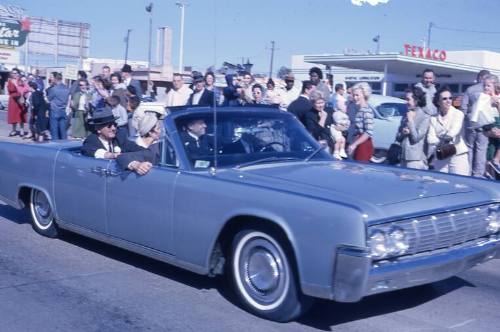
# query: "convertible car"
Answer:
x=267 y=207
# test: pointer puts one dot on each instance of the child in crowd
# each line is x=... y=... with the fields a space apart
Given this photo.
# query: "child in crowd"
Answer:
x=339 y=130
x=120 y=114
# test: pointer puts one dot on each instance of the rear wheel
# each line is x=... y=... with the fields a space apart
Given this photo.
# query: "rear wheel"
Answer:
x=264 y=278
x=42 y=216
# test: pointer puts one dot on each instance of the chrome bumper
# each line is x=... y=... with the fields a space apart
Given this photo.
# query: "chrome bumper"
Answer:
x=356 y=276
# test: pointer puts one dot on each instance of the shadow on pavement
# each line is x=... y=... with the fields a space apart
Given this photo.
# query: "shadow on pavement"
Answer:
x=326 y=314
x=139 y=261
x=14 y=215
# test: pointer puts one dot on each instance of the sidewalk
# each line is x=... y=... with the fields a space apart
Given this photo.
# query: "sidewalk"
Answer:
x=6 y=128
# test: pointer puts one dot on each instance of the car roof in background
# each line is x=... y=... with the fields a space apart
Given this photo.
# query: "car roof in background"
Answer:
x=379 y=99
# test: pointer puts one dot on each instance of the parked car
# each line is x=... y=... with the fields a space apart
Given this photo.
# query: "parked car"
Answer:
x=388 y=113
x=267 y=207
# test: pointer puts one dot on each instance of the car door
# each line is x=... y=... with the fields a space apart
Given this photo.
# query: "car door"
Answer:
x=139 y=208
x=79 y=190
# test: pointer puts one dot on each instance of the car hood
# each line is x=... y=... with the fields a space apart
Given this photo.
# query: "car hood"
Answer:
x=377 y=185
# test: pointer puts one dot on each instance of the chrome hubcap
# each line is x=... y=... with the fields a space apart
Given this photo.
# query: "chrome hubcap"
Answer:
x=263 y=272
x=42 y=209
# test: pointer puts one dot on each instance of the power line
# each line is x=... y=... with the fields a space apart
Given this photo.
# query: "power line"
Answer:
x=468 y=46
x=464 y=30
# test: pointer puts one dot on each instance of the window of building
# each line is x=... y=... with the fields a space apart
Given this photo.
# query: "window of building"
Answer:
x=400 y=87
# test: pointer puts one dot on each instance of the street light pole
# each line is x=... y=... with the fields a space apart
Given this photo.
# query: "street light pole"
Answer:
x=182 y=5
x=126 y=44
x=429 y=36
x=149 y=9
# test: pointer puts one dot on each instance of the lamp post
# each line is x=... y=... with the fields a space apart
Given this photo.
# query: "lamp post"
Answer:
x=182 y=5
x=126 y=44
x=149 y=9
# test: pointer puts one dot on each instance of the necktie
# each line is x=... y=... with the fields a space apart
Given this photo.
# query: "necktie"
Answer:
x=110 y=147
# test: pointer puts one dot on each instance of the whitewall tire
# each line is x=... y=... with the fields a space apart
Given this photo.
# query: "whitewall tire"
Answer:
x=42 y=216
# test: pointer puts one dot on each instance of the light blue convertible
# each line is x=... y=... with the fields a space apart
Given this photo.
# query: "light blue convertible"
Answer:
x=267 y=207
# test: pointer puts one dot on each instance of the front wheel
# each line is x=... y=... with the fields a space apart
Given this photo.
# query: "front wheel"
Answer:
x=264 y=279
x=42 y=216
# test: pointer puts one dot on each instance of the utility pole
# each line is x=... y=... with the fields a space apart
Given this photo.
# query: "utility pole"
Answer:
x=127 y=38
x=182 y=5
x=429 y=36
x=149 y=9
x=272 y=60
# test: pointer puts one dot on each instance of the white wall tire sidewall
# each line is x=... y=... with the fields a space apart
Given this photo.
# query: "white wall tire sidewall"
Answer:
x=237 y=277
x=34 y=213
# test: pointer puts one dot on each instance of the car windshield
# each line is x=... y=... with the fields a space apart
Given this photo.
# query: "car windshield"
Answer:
x=244 y=138
x=389 y=110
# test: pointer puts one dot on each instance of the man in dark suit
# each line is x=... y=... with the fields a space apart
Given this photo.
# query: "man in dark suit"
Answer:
x=127 y=79
x=103 y=143
x=300 y=106
x=200 y=95
x=196 y=142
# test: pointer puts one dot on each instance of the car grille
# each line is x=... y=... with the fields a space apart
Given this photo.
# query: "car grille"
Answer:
x=445 y=229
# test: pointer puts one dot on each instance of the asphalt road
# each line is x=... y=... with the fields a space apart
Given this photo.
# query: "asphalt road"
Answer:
x=77 y=284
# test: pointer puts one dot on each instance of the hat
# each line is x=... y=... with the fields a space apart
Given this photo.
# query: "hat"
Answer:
x=126 y=68
x=198 y=78
x=102 y=116
x=146 y=123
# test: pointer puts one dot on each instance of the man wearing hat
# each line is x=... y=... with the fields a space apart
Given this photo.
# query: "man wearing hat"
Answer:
x=103 y=143
x=196 y=143
x=127 y=79
x=290 y=92
x=200 y=95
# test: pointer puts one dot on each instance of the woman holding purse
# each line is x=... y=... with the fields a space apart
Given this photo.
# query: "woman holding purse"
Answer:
x=445 y=133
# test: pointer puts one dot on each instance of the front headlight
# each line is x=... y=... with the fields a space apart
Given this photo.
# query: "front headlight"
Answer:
x=493 y=220
x=378 y=243
x=398 y=240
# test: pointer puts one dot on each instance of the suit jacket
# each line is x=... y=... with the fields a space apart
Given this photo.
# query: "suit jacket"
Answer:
x=470 y=97
x=413 y=144
x=137 y=86
x=197 y=149
x=150 y=154
x=299 y=107
x=206 y=99
x=92 y=143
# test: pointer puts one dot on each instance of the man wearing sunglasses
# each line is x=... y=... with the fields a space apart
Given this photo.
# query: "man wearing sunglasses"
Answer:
x=103 y=143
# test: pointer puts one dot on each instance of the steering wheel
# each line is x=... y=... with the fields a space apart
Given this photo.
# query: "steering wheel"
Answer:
x=268 y=146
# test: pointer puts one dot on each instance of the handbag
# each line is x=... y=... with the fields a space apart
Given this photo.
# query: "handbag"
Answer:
x=445 y=150
x=394 y=154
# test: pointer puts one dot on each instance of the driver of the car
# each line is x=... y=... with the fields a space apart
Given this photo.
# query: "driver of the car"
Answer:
x=196 y=142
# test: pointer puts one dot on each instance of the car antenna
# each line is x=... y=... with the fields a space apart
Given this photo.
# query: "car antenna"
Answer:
x=213 y=170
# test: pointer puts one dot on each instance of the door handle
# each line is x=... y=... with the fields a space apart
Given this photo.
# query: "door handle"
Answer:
x=111 y=173
x=98 y=170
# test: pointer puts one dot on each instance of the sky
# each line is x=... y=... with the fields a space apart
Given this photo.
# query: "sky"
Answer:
x=229 y=30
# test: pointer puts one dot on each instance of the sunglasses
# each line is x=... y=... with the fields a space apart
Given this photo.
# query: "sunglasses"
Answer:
x=110 y=125
x=447 y=98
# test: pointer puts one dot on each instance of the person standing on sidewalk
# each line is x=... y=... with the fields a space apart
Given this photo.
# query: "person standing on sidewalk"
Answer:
x=58 y=97
x=16 y=113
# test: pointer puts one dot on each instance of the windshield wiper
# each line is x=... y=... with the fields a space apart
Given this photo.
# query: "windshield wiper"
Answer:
x=266 y=160
x=315 y=152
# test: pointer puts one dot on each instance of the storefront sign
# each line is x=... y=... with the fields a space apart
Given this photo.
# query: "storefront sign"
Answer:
x=70 y=72
x=9 y=56
x=421 y=52
x=14 y=33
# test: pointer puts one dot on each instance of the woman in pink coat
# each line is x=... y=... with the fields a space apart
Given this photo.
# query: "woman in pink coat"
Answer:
x=16 y=109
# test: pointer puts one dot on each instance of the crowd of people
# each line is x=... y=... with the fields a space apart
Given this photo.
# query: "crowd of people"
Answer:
x=433 y=134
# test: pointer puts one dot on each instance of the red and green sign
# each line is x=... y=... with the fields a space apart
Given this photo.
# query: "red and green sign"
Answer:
x=14 y=33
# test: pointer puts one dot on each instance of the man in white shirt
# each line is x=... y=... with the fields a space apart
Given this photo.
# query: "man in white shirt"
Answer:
x=179 y=94
x=290 y=92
